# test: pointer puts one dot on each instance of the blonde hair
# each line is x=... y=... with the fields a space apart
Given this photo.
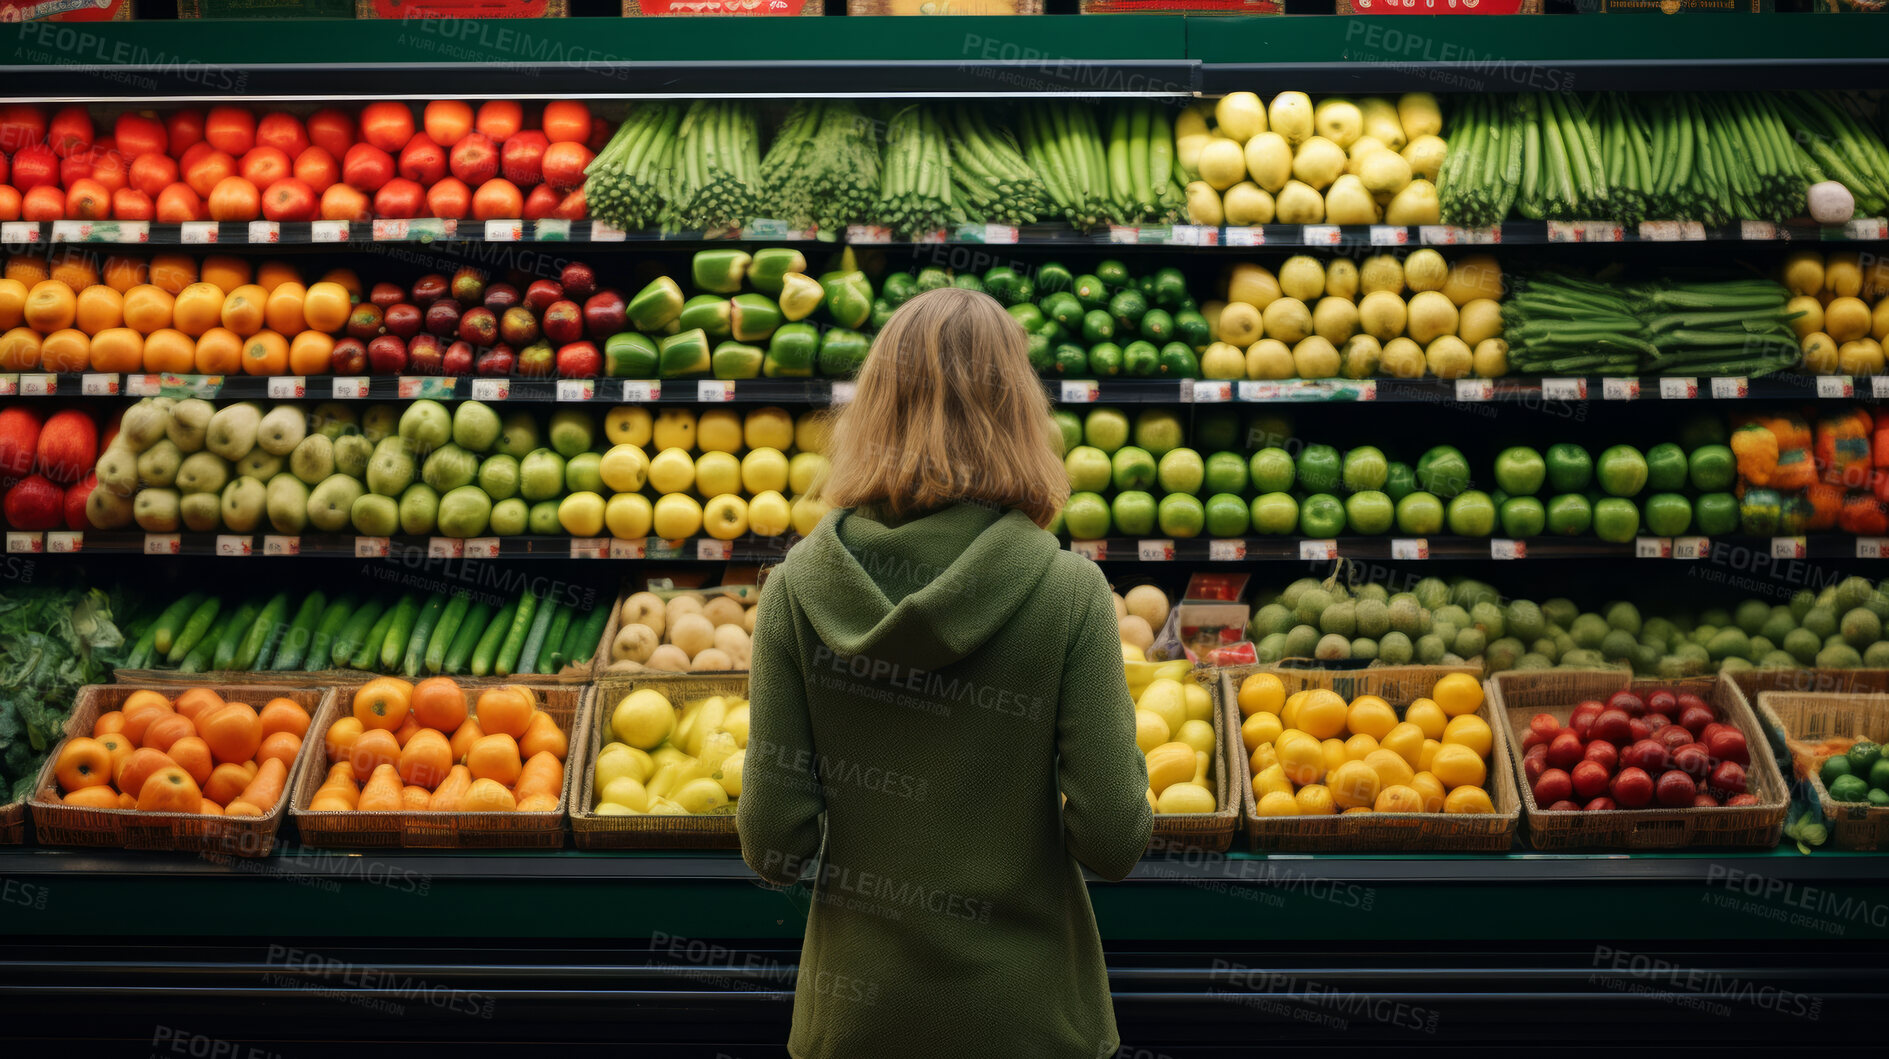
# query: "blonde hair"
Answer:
x=948 y=409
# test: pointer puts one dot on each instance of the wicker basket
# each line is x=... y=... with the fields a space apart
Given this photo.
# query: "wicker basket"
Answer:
x=644 y=830
x=1517 y=696
x=1812 y=716
x=13 y=823
x=1212 y=832
x=424 y=829
x=1378 y=832
x=58 y=824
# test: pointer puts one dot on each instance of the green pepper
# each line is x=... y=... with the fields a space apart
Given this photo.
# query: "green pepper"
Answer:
x=881 y=313
x=1063 y=307
x=801 y=294
x=737 y=360
x=630 y=355
x=932 y=279
x=849 y=298
x=1112 y=273
x=1170 y=288
x=684 y=354
x=753 y=317
x=1097 y=326
x=655 y=305
x=968 y=281
x=843 y=352
x=1140 y=359
x=1192 y=328
x=898 y=287
x=1090 y=292
x=1179 y=362
x=1105 y=359
x=792 y=352
x=1003 y=284
x=1157 y=325
x=772 y=265
x=1128 y=307
x=720 y=271
x=1042 y=355
x=710 y=312
x=1071 y=360
x=1026 y=314
x=1052 y=278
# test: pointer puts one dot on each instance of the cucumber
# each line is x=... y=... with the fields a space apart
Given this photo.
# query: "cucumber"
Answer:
x=485 y=654
x=348 y=640
x=273 y=614
x=331 y=622
x=423 y=624
x=534 y=640
x=201 y=655
x=515 y=636
x=164 y=631
x=193 y=629
x=368 y=651
x=233 y=633
x=580 y=644
x=551 y=655
x=395 y=645
x=445 y=631
x=140 y=656
x=459 y=652
x=294 y=642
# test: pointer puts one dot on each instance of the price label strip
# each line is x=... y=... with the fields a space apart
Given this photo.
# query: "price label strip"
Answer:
x=273 y=544
x=1410 y=548
x=1318 y=551
x=1080 y=391
x=1691 y=547
x=1652 y=548
x=1229 y=550
x=232 y=546
x=1095 y=551
x=481 y=548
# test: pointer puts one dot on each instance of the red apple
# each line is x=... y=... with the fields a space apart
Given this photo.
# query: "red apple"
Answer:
x=457 y=360
x=521 y=160
x=1633 y=788
x=542 y=293
x=386 y=295
x=563 y=322
x=402 y=318
x=442 y=317
x=1640 y=729
x=1661 y=701
x=1645 y=756
x=579 y=360
x=1600 y=805
x=1565 y=750
x=1728 y=744
x=1728 y=777
x=1675 y=790
x=365 y=321
x=1626 y=701
x=429 y=289
x=1672 y=737
x=1695 y=718
x=422 y=160
x=1553 y=786
x=500 y=297
x=518 y=326
x=349 y=357
x=366 y=167
x=479 y=327
x=578 y=280
x=1655 y=721
x=425 y=354
x=387 y=355
x=1606 y=754
x=605 y=314
x=1685 y=700
x=537 y=359
x=1589 y=778
x=542 y=202
x=474 y=159
x=76 y=496
x=1535 y=762
x=469 y=286
x=1691 y=759
x=1582 y=719
x=1614 y=726
x=497 y=361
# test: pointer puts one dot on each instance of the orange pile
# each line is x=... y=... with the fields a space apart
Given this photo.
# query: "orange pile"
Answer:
x=198 y=754
x=414 y=746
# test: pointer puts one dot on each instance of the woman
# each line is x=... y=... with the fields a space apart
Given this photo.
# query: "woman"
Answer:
x=930 y=673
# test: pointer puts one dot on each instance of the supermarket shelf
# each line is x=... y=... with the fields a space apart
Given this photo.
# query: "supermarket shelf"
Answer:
x=265 y=545
x=1412 y=549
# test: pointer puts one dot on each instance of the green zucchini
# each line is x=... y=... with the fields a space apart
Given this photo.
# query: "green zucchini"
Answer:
x=581 y=643
x=295 y=640
x=259 y=634
x=394 y=647
x=534 y=640
x=485 y=654
x=349 y=639
x=331 y=623
x=368 y=651
x=515 y=636
x=164 y=632
x=200 y=655
x=193 y=630
x=140 y=656
x=444 y=632
x=471 y=628
x=414 y=657
x=233 y=633
x=551 y=654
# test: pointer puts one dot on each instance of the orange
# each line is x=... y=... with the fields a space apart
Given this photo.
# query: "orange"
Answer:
x=281 y=715
x=67 y=350
x=415 y=798
x=97 y=308
x=83 y=762
x=19 y=349
x=143 y=698
x=426 y=759
x=375 y=747
x=383 y=702
x=447 y=795
x=487 y=796
x=198 y=308
x=124 y=273
x=339 y=740
x=326 y=306
x=233 y=732
x=197 y=700
x=192 y=755
x=12 y=303
x=170 y=790
x=120 y=747
x=311 y=353
x=439 y=703
x=495 y=757
x=27 y=270
x=168 y=349
x=148 y=307
x=283 y=309
x=75 y=269
x=111 y=722
x=166 y=730
x=93 y=798
x=464 y=736
x=544 y=736
x=225 y=783
x=265 y=353
x=243 y=309
x=346 y=278
x=224 y=272
x=219 y=352
x=382 y=792
x=273 y=274
x=50 y=305
x=140 y=766
x=117 y=349
x=173 y=272
x=206 y=807
x=506 y=711
x=280 y=745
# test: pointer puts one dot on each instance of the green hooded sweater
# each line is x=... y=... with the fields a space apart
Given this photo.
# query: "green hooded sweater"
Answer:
x=921 y=696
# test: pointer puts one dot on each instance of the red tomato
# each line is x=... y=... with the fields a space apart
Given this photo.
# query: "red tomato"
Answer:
x=184 y=128
x=317 y=168
x=366 y=167
x=110 y=169
x=566 y=121
x=541 y=203
x=343 y=203
x=178 y=203
x=87 y=200
x=76 y=168
x=331 y=130
x=564 y=164
x=399 y=197
x=283 y=132
x=572 y=208
x=193 y=154
x=23 y=125
x=422 y=159
x=235 y=199
x=446 y=120
x=231 y=130
x=138 y=135
x=3 y=168
x=387 y=125
x=152 y=173
x=263 y=166
x=10 y=202
x=449 y=197
x=130 y=204
x=208 y=171
x=288 y=199
x=497 y=198
x=500 y=119
x=600 y=131
x=70 y=131
x=35 y=166
x=44 y=203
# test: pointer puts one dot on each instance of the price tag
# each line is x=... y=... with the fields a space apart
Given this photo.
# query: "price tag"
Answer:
x=288 y=387
x=1564 y=389
x=197 y=233
x=389 y=228
x=162 y=544
x=25 y=543
x=1504 y=549
x=1789 y=548
x=589 y=547
x=1389 y=235
x=204 y=386
x=1410 y=548
x=19 y=232
x=1612 y=389
x=436 y=387
x=101 y=231
x=1122 y=234
x=9 y=385
x=1677 y=389
x=1195 y=235
x=1691 y=547
x=481 y=548
x=1879 y=385
x=1318 y=550
x=1155 y=551
x=602 y=233
x=1835 y=386
x=999 y=234
x=1320 y=235
x=232 y=546
x=1602 y=232
x=714 y=391
x=328 y=231
x=843 y=392
x=350 y=387
x=1475 y=390
x=1729 y=388
x=641 y=391
x=1866 y=228
x=265 y=232
x=504 y=231
x=1566 y=232
x=92 y=385
x=39 y=384
x=1246 y=236
x=1080 y=391
x=710 y=550
x=628 y=549
x=1757 y=231
x=1652 y=548
x=665 y=549
x=1231 y=550
x=576 y=389
x=867 y=234
x=491 y=389
x=445 y=547
x=1212 y=391
x=1439 y=234
x=1872 y=547
x=370 y=547
x=1155 y=235
x=64 y=542
x=273 y=544
x=1094 y=551
x=141 y=385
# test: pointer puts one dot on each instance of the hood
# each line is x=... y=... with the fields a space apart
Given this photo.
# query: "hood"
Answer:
x=925 y=593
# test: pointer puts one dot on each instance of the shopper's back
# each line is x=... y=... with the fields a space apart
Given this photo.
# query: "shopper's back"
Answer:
x=932 y=680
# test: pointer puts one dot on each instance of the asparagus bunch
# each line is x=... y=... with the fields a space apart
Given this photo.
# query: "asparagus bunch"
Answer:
x=915 y=190
x=715 y=179
x=991 y=178
x=623 y=185
x=822 y=171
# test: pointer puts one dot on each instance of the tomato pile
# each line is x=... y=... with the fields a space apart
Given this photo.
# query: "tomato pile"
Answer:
x=1662 y=749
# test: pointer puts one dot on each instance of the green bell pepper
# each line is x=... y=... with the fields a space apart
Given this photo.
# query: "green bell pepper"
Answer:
x=843 y=352
x=801 y=294
x=630 y=355
x=753 y=317
x=710 y=312
x=792 y=351
x=655 y=305
x=684 y=354
x=771 y=267
x=720 y=271
x=737 y=360
x=849 y=299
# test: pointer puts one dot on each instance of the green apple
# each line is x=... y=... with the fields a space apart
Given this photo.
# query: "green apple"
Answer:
x=1217 y=429
x=804 y=471
x=625 y=468
x=1226 y=473
x=675 y=516
x=1520 y=471
x=1275 y=514
x=449 y=467
x=242 y=502
x=374 y=515
x=1570 y=515
x=466 y=511
x=1471 y=514
x=475 y=426
x=1272 y=470
x=764 y=470
x=1086 y=516
x=1069 y=425
x=725 y=517
x=581 y=514
x=426 y=425
x=628 y=515
x=1132 y=467
x=1133 y=513
x=1181 y=471
x=1106 y=429
x=540 y=475
x=498 y=476
x=313 y=459
x=1226 y=515
x=510 y=517
x=769 y=514
x=331 y=503
x=1616 y=520
x=419 y=509
x=1089 y=469
x=583 y=473
x=1369 y=512
x=379 y=421
x=1181 y=515
x=1365 y=468
x=390 y=470
x=519 y=435
x=1321 y=516
x=717 y=473
x=201 y=512
x=1159 y=431
x=285 y=499
x=351 y=453
x=1419 y=514
x=571 y=431
x=331 y=419
x=543 y=519
x=1522 y=517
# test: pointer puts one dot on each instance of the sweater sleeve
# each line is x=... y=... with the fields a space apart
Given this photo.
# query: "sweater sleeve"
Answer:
x=778 y=813
x=1106 y=818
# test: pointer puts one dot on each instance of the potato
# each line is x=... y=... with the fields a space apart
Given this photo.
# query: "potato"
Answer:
x=713 y=660
x=693 y=633
x=644 y=608
x=669 y=659
x=723 y=610
x=635 y=642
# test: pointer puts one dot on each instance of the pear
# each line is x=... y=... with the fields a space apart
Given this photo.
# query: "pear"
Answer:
x=157 y=465
x=156 y=510
x=201 y=512
x=390 y=469
x=286 y=501
x=419 y=509
x=259 y=465
x=281 y=430
x=331 y=419
x=203 y=472
x=379 y=421
x=351 y=453
x=313 y=459
x=449 y=467
x=190 y=418
x=331 y=503
x=232 y=430
x=242 y=505
x=374 y=515
x=475 y=426
x=144 y=423
x=518 y=437
x=117 y=467
x=108 y=510
x=426 y=425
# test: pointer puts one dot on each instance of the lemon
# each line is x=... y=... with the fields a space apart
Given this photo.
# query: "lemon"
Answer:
x=1150 y=730
x=1359 y=745
x=1289 y=713
x=643 y=719
x=1354 y=784
x=1391 y=769
x=1372 y=716
x=1315 y=800
x=1470 y=731
x=1185 y=798
x=1196 y=701
x=1131 y=653
x=1432 y=790
x=1273 y=779
x=1468 y=800
x=1260 y=728
x=1165 y=698
x=1261 y=693
x=1397 y=798
x=613 y=809
x=1335 y=753
x=626 y=792
x=1427 y=755
x=1168 y=764
x=1278 y=803
x=1458 y=694
x=1406 y=741
x=1427 y=715
x=1197 y=734
x=1265 y=756
x=1302 y=759
x=1458 y=766
x=1322 y=714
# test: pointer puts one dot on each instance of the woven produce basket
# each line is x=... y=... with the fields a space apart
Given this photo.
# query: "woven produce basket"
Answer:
x=58 y=824
x=13 y=823
x=1213 y=831
x=645 y=830
x=1517 y=696
x=1376 y=832
x=1813 y=716
x=425 y=829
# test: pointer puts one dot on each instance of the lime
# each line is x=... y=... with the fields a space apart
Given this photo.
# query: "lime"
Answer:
x=1834 y=767
x=1863 y=757
x=1878 y=797
x=1879 y=773
x=1849 y=789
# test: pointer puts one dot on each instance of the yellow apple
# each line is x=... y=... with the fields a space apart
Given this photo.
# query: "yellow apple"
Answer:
x=719 y=430
x=811 y=430
x=624 y=468
x=764 y=470
x=804 y=471
x=581 y=514
x=676 y=516
x=628 y=515
x=769 y=427
x=717 y=473
x=672 y=471
x=725 y=517
x=769 y=514
x=626 y=792
x=807 y=513
x=629 y=424
x=674 y=429
x=621 y=759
